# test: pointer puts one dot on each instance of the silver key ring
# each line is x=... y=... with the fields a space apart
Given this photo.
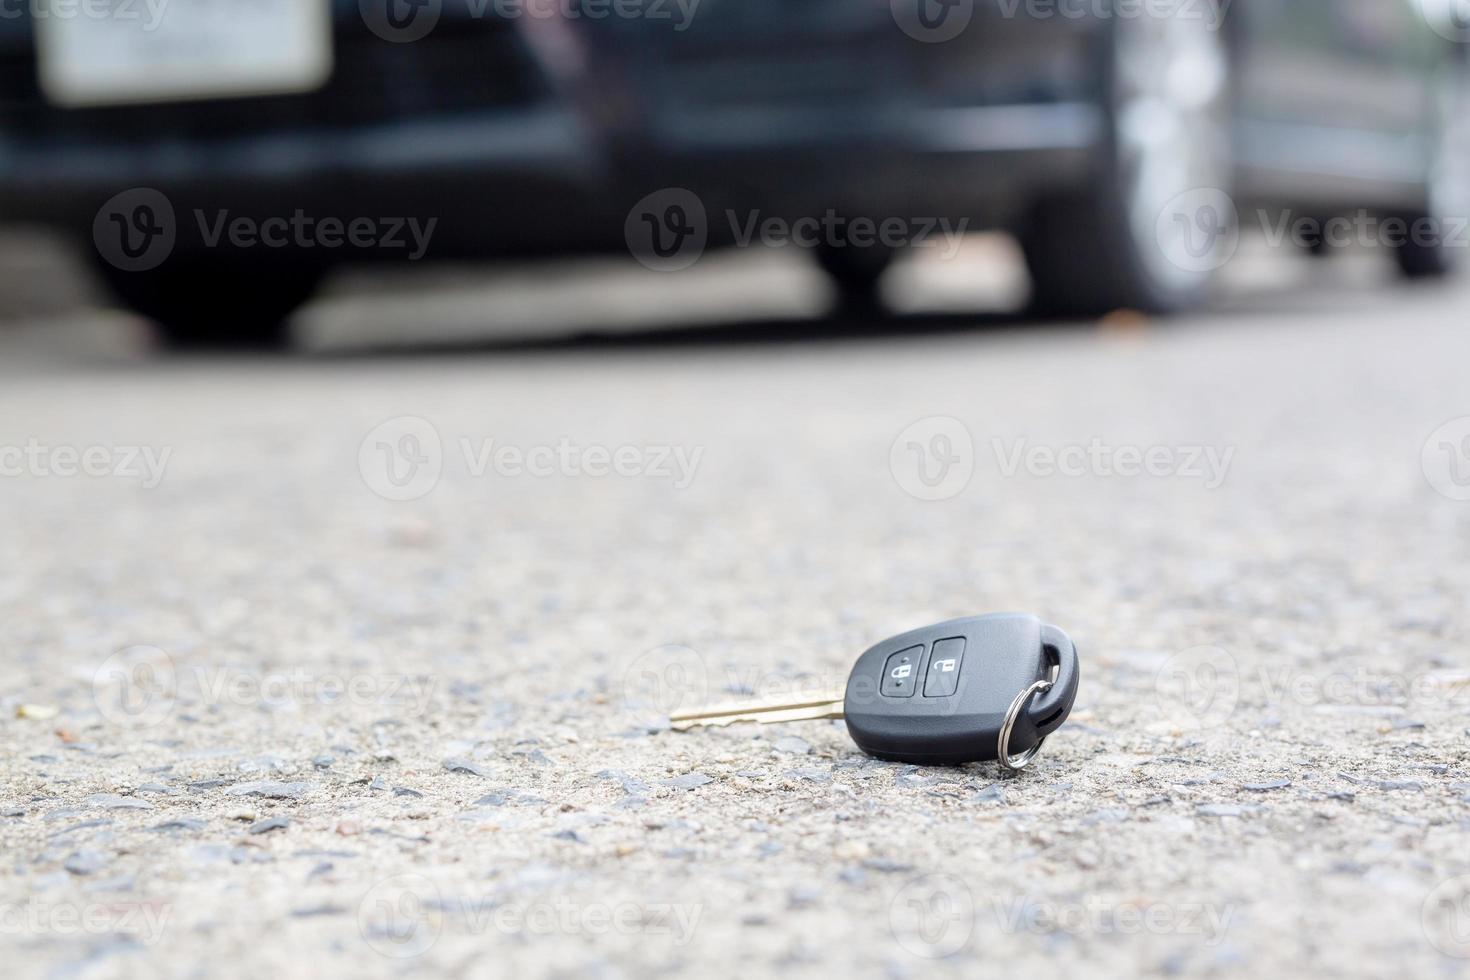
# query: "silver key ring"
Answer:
x=1003 y=750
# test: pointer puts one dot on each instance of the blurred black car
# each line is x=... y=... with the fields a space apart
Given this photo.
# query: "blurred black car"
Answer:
x=220 y=162
x=1120 y=140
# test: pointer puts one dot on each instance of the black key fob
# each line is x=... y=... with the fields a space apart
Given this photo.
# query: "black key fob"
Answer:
x=944 y=694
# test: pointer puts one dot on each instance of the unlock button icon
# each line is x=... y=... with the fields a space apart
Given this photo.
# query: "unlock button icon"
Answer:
x=900 y=673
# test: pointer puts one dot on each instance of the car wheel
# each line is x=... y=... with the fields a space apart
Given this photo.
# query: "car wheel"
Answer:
x=1446 y=208
x=218 y=302
x=857 y=272
x=1137 y=236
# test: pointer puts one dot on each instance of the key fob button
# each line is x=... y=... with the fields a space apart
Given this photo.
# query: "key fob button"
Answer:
x=999 y=656
x=901 y=673
x=942 y=679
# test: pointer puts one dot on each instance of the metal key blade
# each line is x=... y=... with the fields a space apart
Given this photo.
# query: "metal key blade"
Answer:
x=768 y=712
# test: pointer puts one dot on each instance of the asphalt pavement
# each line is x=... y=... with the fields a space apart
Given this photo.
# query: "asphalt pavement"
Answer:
x=356 y=662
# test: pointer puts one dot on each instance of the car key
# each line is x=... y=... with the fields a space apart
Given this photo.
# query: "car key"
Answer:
x=966 y=690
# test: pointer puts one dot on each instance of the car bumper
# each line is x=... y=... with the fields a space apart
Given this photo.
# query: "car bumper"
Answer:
x=875 y=121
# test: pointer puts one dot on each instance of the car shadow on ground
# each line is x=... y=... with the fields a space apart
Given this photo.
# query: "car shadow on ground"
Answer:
x=737 y=332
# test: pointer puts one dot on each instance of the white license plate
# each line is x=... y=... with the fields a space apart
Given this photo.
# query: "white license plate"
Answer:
x=109 y=52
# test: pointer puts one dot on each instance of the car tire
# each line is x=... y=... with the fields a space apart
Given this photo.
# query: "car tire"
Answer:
x=218 y=303
x=1445 y=203
x=1104 y=246
x=857 y=274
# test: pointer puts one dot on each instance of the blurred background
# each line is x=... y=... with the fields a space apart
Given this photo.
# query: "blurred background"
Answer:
x=263 y=179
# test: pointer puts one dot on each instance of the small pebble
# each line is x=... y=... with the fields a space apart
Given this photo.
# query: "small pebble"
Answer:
x=182 y=823
x=887 y=865
x=1407 y=785
x=267 y=825
x=689 y=780
x=270 y=790
x=811 y=774
x=803 y=896
x=792 y=745
x=111 y=801
x=990 y=794
x=1269 y=784
x=86 y=862
x=1221 y=810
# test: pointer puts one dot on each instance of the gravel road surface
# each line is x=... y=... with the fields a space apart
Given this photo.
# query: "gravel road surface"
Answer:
x=356 y=663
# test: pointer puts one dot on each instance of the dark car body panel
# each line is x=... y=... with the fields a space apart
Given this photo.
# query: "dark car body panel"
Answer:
x=530 y=136
x=466 y=125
